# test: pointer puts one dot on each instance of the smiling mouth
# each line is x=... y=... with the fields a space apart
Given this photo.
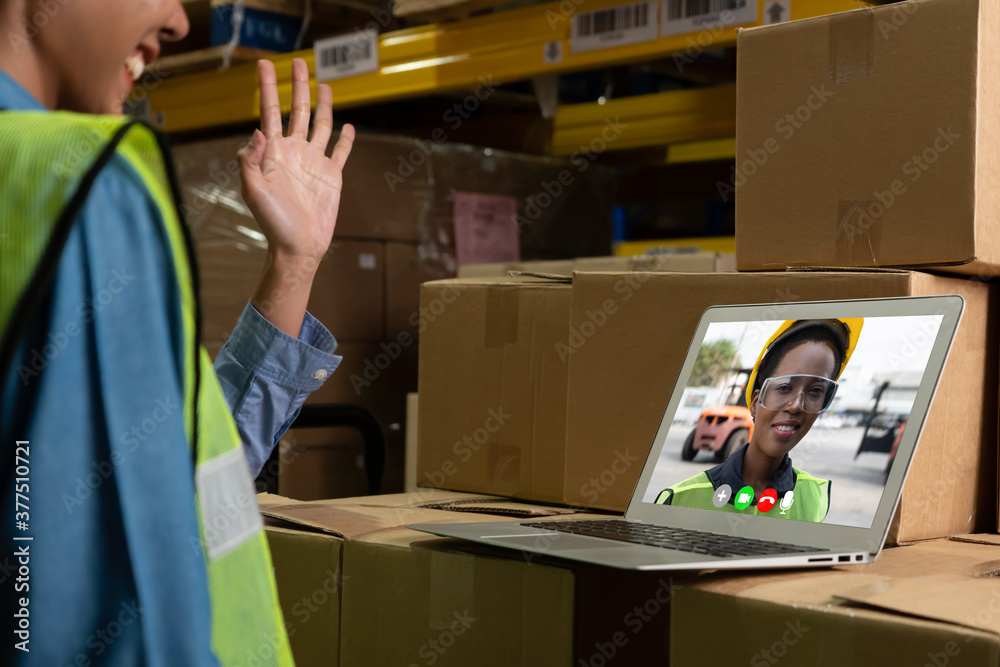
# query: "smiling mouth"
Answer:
x=785 y=430
x=136 y=65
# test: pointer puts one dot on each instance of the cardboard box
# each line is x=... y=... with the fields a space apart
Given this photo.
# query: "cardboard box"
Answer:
x=209 y=176
x=346 y=293
x=451 y=608
x=403 y=597
x=511 y=611
x=851 y=153
x=306 y=542
x=564 y=209
x=562 y=267
x=376 y=376
x=925 y=604
x=628 y=337
x=307 y=573
x=400 y=189
x=410 y=467
x=325 y=463
x=359 y=380
x=485 y=270
x=391 y=193
x=492 y=387
x=321 y=462
x=348 y=290
x=404 y=273
x=320 y=470
x=686 y=262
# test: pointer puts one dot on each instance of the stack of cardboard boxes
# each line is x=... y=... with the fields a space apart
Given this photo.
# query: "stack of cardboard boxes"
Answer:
x=856 y=177
x=682 y=259
x=394 y=231
x=867 y=164
x=875 y=147
x=358 y=588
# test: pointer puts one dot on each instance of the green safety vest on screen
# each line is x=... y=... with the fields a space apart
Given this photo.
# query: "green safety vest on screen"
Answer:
x=811 y=500
x=36 y=186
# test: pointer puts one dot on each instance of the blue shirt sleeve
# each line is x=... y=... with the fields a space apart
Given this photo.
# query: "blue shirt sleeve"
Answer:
x=266 y=376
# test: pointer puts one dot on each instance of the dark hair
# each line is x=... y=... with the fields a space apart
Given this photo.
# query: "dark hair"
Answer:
x=817 y=333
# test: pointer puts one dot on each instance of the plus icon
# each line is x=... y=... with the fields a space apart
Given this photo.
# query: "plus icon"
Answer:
x=722 y=495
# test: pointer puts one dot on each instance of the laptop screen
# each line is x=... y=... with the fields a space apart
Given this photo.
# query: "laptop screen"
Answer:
x=793 y=419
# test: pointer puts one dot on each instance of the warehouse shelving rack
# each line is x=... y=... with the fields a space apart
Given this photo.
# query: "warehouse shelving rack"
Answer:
x=497 y=48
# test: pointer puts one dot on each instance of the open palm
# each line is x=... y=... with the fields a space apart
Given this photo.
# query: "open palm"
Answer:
x=290 y=185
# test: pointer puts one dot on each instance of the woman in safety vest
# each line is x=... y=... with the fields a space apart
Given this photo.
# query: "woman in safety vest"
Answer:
x=136 y=538
x=793 y=381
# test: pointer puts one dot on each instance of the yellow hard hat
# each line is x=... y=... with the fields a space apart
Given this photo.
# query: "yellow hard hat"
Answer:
x=849 y=329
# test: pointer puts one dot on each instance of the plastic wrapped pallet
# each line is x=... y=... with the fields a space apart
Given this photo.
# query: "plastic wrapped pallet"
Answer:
x=394 y=230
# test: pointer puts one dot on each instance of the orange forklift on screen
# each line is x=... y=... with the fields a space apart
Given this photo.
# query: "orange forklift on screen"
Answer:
x=725 y=428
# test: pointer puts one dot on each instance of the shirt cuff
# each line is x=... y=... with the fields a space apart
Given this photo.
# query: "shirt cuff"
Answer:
x=301 y=363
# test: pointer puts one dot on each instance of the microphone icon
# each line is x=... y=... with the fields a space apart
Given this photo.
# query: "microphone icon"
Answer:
x=786 y=501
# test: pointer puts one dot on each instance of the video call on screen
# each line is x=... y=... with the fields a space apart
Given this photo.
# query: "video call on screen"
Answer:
x=840 y=452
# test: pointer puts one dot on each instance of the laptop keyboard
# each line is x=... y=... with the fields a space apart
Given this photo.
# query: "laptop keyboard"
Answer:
x=681 y=539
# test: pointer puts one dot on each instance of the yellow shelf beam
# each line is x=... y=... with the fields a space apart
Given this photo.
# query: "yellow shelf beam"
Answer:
x=702 y=151
x=705 y=243
x=478 y=52
x=646 y=120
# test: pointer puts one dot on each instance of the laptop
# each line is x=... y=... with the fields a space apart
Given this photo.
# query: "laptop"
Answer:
x=785 y=442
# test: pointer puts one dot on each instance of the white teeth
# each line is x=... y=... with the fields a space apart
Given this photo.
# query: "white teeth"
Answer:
x=136 y=66
x=787 y=429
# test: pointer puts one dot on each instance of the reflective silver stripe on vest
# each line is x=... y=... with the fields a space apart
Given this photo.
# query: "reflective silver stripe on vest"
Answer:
x=228 y=502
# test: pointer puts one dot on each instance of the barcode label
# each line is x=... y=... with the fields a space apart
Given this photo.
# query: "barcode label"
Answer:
x=605 y=21
x=346 y=55
x=680 y=16
x=614 y=26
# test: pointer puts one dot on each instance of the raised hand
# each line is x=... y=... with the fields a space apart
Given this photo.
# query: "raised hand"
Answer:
x=291 y=187
x=293 y=190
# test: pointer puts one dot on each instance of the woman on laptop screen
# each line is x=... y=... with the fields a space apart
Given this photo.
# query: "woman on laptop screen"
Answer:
x=793 y=381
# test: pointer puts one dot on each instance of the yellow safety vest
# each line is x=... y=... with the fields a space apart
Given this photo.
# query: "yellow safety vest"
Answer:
x=36 y=186
x=812 y=498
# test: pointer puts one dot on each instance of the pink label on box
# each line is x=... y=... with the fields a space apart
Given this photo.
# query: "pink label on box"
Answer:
x=486 y=228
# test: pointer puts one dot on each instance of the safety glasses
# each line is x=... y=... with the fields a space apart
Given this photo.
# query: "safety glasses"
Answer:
x=812 y=393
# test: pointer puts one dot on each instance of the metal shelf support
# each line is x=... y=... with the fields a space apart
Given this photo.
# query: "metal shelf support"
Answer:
x=474 y=54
